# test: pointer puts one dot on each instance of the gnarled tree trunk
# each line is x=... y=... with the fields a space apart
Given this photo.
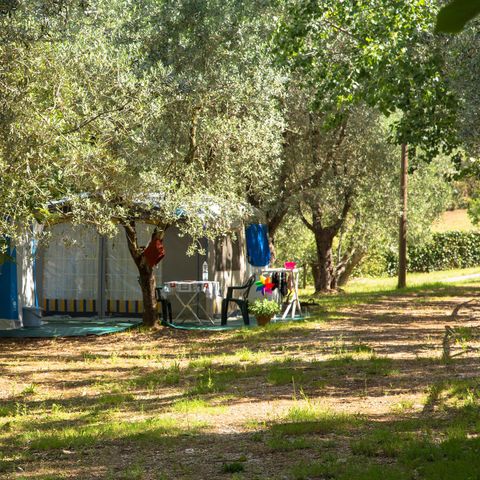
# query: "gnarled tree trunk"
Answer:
x=347 y=264
x=148 y=285
x=324 y=271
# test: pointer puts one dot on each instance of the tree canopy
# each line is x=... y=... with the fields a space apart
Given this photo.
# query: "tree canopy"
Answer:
x=129 y=102
x=383 y=53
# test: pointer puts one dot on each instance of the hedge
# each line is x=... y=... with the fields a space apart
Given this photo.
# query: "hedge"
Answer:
x=445 y=251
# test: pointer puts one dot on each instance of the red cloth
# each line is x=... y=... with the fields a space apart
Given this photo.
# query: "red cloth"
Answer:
x=154 y=252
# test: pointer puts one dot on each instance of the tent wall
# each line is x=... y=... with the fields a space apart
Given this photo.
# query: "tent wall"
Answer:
x=79 y=271
x=227 y=263
x=177 y=265
x=17 y=283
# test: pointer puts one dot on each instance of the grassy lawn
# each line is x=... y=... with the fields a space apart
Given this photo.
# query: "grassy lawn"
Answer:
x=454 y=220
x=359 y=391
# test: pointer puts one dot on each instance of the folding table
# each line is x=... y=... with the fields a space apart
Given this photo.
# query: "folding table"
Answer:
x=191 y=289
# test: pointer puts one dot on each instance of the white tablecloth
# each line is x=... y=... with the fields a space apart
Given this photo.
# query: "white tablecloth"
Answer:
x=211 y=289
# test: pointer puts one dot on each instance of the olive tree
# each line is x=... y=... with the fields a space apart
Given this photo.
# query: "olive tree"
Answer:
x=159 y=110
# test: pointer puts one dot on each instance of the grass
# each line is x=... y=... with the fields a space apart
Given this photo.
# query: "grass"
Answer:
x=364 y=291
x=201 y=363
x=29 y=390
x=284 y=376
x=333 y=469
x=162 y=405
x=134 y=472
x=403 y=406
x=153 y=380
x=380 y=443
x=196 y=405
x=150 y=430
x=280 y=443
x=308 y=418
x=454 y=220
x=233 y=467
x=430 y=460
x=415 y=282
x=454 y=393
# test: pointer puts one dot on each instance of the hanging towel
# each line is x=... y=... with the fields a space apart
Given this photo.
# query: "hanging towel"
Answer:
x=258 y=252
x=154 y=252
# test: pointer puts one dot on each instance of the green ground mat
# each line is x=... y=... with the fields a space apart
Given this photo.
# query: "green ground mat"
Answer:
x=72 y=327
x=231 y=324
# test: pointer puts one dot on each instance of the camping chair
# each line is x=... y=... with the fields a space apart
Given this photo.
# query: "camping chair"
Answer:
x=166 y=305
x=242 y=302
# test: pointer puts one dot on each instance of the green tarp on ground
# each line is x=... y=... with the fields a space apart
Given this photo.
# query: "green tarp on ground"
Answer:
x=81 y=327
x=231 y=325
x=72 y=327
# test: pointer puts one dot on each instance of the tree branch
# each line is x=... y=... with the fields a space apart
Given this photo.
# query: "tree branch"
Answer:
x=132 y=242
x=95 y=117
x=305 y=221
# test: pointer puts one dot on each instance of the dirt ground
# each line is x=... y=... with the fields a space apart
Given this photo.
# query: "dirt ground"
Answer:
x=377 y=361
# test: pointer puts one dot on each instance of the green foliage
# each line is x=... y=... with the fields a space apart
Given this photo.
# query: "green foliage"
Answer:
x=474 y=210
x=382 y=52
x=462 y=69
x=264 y=307
x=372 y=224
x=294 y=242
x=444 y=251
x=144 y=107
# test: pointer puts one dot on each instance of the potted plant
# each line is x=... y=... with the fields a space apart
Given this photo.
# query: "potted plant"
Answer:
x=264 y=310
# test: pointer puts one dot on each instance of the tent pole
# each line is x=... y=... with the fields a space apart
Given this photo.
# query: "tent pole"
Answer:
x=102 y=250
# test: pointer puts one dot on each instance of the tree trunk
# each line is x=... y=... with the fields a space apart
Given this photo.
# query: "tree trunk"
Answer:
x=146 y=274
x=402 y=244
x=323 y=270
x=345 y=268
x=148 y=285
x=273 y=222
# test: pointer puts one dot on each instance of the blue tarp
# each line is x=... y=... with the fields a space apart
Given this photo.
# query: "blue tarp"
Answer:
x=258 y=252
x=8 y=287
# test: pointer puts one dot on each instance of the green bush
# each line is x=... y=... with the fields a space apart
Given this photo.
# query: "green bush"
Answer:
x=373 y=265
x=445 y=251
x=264 y=307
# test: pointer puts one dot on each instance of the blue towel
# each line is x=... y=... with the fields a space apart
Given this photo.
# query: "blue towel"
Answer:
x=258 y=253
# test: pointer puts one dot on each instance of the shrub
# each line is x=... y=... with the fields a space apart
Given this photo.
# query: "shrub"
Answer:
x=445 y=251
x=264 y=307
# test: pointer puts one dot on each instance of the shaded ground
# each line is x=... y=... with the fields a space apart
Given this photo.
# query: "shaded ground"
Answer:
x=359 y=392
